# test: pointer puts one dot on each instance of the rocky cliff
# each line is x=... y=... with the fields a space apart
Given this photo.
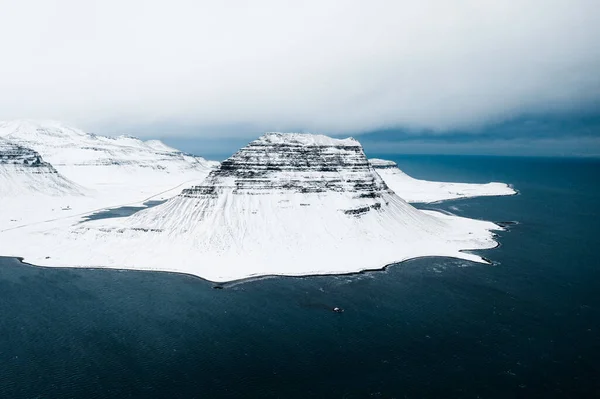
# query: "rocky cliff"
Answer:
x=284 y=164
x=24 y=171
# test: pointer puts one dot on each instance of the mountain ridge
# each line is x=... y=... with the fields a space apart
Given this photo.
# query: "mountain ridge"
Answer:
x=24 y=172
x=78 y=155
x=281 y=205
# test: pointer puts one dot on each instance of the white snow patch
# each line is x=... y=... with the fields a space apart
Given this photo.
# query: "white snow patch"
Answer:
x=160 y=146
x=423 y=191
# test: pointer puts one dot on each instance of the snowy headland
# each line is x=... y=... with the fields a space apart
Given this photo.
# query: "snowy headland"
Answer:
x=285 y=204
x=423 y=191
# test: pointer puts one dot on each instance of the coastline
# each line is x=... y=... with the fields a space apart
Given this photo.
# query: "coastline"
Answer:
x=344 y=265
x=252 y=278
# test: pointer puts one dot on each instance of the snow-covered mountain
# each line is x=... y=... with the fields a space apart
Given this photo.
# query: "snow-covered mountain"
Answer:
x=24 y=172
x=113 y=171
x=414 y=190
x=160 y=146
x=290 y=204
x=94 y=160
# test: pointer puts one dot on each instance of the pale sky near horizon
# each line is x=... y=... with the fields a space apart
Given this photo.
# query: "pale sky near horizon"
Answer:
x=222 y=69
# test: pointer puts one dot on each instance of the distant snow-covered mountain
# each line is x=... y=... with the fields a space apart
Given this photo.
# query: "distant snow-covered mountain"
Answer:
x=98 y=160
x=24 y=172
x=415 y=190
x=108 y=171
x=290 y=204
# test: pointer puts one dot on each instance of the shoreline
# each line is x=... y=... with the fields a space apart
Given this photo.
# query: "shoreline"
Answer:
x=236 y=276
x=467 y=197
x=220 y=284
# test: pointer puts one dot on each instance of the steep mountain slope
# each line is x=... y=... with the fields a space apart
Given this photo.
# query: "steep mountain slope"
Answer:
x=291 y=204
x=414 y=190
x=160 y=146
x=24 y=172
x=96 y=160
x=114 y=171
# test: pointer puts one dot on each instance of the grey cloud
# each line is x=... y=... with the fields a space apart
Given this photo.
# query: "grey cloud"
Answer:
x=327 y=66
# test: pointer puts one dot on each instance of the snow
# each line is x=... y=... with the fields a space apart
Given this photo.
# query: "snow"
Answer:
x=160 y=146
x=286 y=204
x=99 y=160
x=305 y=139
x=92 y=172
x=382 y=163
x=423 y=191
x=245 y=236
x=24 y=172
x=41 y=130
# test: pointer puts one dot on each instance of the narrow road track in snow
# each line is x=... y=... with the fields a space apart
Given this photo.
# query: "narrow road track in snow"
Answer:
x=101 y=209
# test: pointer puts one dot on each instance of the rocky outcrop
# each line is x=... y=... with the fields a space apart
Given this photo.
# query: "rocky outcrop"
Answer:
x=280 y=172
x=24 y=171
x=279 y=163
x=382 y=163
x=13 y=154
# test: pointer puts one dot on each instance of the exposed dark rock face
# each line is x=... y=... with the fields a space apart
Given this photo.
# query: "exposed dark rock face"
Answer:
x=295 y=163
x=14 y=154
x=382 y=164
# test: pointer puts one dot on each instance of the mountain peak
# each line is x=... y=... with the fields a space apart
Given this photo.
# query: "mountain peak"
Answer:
x=295 y=163
x=25 y=128
x=306 y=139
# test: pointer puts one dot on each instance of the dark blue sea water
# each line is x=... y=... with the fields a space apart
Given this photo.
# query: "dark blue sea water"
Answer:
x=528 y=326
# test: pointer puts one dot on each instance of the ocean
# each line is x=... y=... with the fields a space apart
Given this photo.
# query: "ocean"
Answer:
x=526 y=326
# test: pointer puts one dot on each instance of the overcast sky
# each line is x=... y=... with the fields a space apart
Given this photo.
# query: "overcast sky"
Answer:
x=231 y=68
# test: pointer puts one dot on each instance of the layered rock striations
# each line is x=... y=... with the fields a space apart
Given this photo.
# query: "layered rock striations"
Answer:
x=23 y=171
x=280 y=163
x=275 y=176
x=13 y=154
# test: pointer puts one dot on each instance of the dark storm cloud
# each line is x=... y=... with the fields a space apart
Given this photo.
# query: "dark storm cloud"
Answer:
x=204 y=68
